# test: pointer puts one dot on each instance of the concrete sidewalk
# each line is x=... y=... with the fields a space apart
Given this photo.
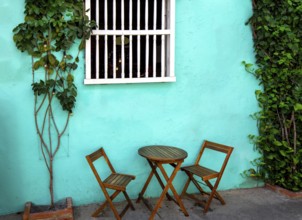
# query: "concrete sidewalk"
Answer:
x=241 y=204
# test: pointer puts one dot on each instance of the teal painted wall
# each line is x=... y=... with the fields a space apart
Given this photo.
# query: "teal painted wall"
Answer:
x=212 y=99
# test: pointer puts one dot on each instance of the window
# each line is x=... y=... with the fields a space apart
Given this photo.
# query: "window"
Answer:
x=133 y=43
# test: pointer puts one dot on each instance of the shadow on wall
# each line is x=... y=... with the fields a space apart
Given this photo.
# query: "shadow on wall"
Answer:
x=11 y=185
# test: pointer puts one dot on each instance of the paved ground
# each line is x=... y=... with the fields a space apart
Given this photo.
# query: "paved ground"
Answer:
x=243 y=204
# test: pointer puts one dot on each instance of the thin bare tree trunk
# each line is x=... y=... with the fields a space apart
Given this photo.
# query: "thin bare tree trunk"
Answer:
x=52 y=203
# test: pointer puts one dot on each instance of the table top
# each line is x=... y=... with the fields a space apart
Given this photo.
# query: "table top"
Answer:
x=162 y=153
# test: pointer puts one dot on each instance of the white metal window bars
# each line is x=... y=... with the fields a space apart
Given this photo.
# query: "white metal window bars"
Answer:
x=133 y=43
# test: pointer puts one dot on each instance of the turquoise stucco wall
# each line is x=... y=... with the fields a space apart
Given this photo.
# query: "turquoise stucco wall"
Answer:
x=212 y=99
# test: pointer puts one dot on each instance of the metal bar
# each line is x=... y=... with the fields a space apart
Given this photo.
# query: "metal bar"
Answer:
x=114 y=39
x=147 y=38
x=163 y=39
x=130 y=40
x=123 y=38
x=97 y=62
x=171 y=39
x=138 y=39
x=88 y=46
x=131 y=32
x=154 y=38
x=106 y=39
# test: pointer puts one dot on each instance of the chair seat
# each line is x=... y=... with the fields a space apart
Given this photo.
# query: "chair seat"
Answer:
x=203 y=172
x=118 y=181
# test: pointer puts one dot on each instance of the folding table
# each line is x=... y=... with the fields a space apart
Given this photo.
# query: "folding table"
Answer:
x=157 y=156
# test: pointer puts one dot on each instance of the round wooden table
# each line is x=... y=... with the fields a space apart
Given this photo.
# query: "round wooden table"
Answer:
x=157 y=155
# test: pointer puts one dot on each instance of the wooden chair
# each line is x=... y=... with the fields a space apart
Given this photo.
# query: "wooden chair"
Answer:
x=115 y=181
x=206 y=174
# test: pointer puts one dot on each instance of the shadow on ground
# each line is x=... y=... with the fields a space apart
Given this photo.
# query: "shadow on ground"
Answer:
x=241 y=204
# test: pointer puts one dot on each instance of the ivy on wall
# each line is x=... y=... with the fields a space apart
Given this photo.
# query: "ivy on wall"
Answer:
x=277 y=30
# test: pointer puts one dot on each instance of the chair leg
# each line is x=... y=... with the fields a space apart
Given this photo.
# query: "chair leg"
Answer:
x=206 y=204
x=115 y=212
x=129 y=205
x=108 y=200
x=129 y=200
x=99 y=210
x=124 y=211
x=213 y=194
x=198 y=186
x=184 y=190
x=217 y=195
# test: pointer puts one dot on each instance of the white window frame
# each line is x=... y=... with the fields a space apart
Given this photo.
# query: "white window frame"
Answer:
x=167 y=52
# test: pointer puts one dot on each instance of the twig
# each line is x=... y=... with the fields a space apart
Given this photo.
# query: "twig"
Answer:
x=281 y=125
x=295 y=132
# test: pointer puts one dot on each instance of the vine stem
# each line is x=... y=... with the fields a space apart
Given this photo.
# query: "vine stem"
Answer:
x=295 y=132
x=285 y=129
x=281 y=125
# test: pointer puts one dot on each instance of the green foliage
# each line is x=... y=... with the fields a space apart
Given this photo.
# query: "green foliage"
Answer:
x=278 y=45
x=49 y=31
x=49 y=34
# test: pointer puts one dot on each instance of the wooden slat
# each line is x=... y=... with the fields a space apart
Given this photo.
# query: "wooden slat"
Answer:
x=163 y=153
x=117 y=181
x=95 y=155
x=218 y=147
x=203 y=172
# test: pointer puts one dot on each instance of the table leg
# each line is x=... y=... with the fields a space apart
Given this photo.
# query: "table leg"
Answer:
x=153 y=171
x=154 y=166
x=168 y=185
x=177 y=197
x=141 y=194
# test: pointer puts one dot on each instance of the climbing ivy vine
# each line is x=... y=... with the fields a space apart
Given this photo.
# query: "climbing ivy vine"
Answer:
x=277 y=31
x=53 y=34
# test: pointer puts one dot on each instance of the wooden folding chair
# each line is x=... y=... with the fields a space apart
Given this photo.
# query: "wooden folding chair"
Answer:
x=114 y=181
x=206 y=174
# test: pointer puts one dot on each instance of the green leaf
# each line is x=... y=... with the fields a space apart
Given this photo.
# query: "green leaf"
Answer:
x=283 y=153
x=68 y=57
x=52 y=59
x=298 y=107
x=70 y=78
x=82 y=45
x=37 y=65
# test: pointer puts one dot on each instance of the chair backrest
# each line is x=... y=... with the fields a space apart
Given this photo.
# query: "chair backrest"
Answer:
x=227 y=150
x=95 y=156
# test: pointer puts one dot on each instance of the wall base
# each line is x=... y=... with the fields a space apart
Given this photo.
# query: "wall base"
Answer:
x=284 y=192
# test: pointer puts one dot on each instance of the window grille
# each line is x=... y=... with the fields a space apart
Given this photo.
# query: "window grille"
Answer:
x=133 y=41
